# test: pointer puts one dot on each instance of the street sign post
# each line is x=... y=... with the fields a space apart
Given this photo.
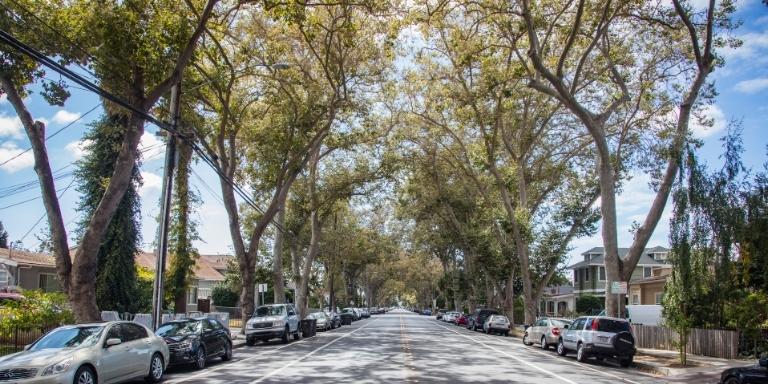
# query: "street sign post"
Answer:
x=262 y=289
x=619 y=288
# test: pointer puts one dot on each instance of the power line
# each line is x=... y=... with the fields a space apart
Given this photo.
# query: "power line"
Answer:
x=68 y=73
x=50 y=136
x=45 y=213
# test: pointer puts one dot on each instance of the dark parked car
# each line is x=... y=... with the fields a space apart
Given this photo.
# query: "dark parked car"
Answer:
x=754 y=374
x=427 y=312
x=195 y=341
x=478 y=318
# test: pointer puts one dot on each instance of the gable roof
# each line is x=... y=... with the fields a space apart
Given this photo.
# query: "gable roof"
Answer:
x=28 y=258
x=203 y=270
x=600 y=259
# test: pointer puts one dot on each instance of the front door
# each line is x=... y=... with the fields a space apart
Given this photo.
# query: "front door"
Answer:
x=112 y=367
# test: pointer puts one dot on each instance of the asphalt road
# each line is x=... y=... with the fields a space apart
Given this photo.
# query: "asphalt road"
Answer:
x=403 y=348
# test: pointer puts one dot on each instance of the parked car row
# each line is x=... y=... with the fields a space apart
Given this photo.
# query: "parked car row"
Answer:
x=116 y=351
x=483 y=319
x=600 y=337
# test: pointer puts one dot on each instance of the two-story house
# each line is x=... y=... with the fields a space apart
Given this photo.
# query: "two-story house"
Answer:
x=589 y=274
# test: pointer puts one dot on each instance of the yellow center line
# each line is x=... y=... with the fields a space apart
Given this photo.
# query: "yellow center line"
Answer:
x=407 y=355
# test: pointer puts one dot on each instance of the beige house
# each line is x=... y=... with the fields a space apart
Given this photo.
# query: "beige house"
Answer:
x=649 y=291
x=557 y=301
x=30 y=270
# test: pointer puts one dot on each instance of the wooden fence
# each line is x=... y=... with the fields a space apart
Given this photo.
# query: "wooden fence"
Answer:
x=706 y=342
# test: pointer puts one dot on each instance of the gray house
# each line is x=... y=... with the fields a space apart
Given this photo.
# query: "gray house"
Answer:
x=28 y=270
x=589 y=274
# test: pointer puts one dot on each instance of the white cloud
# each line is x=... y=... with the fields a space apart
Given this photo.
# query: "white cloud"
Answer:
x=10 y=126
x=78 y=148
x=753 y=47
x=65 y=117
x=752 y=86
x=8 y=150
x=762 y=20
x=710 y=113
x=151 y=146
x=151 y=182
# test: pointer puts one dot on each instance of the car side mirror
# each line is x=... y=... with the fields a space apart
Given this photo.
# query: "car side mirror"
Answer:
x=566 y=326
x=764 y=361
x=113 y=341
x=27 y=347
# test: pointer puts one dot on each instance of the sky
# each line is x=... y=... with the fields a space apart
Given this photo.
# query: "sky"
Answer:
x=743 y=96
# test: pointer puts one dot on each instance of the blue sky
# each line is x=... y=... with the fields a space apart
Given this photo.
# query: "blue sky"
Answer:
x=743 y=95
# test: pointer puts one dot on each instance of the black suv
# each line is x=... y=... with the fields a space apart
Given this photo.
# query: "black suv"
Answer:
x=477 y=319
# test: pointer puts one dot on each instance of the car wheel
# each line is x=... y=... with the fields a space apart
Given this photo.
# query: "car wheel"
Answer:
x=156 y=369
x=200 y=358
x=285 y=335
x=250 y=342
x=525 y=339
x=506 y=333
x=544 y=344
x=626 y=362
x=581 y=355
x=227 y=351
x=732 y=380
x=561 y=348
x=84 y=375
x=296 y=335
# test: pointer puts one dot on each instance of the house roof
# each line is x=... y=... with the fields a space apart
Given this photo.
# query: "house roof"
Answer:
x=203 y=269
x=218 y=262
x=28 y=258
x=600 y=260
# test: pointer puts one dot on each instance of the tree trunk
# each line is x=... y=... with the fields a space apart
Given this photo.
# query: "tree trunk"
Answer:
x=509 y=296
x=36 y=133
x=277 y=256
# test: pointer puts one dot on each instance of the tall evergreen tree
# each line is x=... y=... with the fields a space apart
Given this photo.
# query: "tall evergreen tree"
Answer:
x=116 y=276
x=3 y=236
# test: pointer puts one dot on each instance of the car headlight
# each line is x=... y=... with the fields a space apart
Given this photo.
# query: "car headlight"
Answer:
x=59 y=367
x=278 y=323
x=185 y=346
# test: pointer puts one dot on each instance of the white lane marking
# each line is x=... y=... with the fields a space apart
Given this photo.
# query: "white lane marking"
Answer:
x=230 y=365
x=534 y=366
x=581 y=366
x=309 y=354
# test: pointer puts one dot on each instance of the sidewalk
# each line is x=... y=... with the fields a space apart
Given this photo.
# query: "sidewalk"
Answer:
x=701 y=369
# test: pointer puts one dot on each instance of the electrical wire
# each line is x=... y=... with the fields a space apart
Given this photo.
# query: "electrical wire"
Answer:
x=45 y=213
x=88 y=85
x=50 y=136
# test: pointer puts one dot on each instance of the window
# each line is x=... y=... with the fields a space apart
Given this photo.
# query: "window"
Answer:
x=576 y=275
x=132 y=332
x=192 y=295
x=661 y=256
x=48 y=282
x=659 y=297
x=586 y=274
x=203 y=293
x=635 y=298
x=4 y=275
x=602 y=273
x=579 y=324
x=114 y=332
x=647 y=272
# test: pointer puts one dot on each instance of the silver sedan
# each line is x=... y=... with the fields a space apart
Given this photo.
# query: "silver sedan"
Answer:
x=98 y=353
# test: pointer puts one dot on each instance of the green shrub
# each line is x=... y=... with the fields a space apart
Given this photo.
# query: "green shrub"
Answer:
x=587 y=304
x=223 y=296
x=39 y=309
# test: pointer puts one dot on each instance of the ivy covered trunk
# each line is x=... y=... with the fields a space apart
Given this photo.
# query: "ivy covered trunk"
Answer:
x=116 y=276
x=183 y=256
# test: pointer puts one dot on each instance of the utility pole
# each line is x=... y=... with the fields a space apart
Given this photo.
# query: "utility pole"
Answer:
x=165 y=210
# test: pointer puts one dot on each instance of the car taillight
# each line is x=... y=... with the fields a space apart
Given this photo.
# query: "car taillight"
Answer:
x=594 y=324
x=556 y=331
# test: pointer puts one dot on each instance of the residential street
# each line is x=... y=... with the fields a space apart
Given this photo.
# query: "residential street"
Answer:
x=403 y=347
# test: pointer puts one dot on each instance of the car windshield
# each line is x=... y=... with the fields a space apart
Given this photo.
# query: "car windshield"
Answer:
x=181 y=328
x=270 y=311
x=317 y=315
x=560 y=323
x=69 y=338
x=613 y=326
